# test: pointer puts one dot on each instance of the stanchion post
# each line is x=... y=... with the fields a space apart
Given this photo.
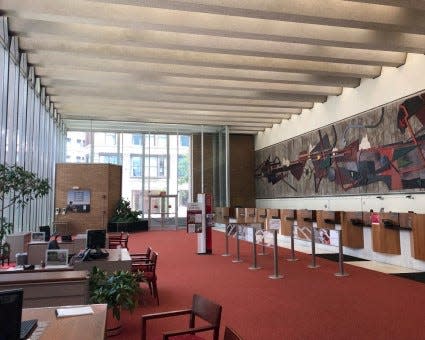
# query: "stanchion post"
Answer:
x=341 y=272
x=254 y=250
x=238 y=257
x=313 y=249
x=293 y=258
x=226 y=239
x=276 y=274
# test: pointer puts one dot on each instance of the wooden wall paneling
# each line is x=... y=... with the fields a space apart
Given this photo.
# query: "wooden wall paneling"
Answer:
x=386 y=237
x=288 y=217
x=418 y=236
x=305 y=219
x=328 y=219
x=352 y=229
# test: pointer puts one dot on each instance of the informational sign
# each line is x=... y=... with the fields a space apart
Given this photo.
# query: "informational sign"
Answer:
x=78 y=201
x=274 y=223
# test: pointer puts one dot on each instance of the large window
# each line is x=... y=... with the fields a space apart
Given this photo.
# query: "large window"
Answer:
x=30 y=135
x=151 y=163
x=155 y=166
x=136 y=166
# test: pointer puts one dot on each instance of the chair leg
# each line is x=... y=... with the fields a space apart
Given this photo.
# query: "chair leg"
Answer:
x=155 y=292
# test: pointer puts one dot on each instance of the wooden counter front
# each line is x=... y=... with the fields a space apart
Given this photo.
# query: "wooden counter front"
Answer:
x=418 y=236
x=68 y=328
x=386 y=239
x=287 y=216
x=47 y=288
x=352 y=229
x=328 y=219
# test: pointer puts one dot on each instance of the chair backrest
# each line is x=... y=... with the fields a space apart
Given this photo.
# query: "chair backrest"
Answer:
x=114 y=240
x=230 y=334
x=124 y=240
x=151 y=266
x=207 y=310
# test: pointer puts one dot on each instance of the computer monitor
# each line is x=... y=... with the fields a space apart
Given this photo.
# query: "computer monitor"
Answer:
x=11 y=327
x=96 y=238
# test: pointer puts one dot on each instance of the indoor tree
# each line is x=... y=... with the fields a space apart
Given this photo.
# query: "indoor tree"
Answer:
x=18 y=186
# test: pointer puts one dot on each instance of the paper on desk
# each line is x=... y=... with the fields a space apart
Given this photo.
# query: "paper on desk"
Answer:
x=73 y=311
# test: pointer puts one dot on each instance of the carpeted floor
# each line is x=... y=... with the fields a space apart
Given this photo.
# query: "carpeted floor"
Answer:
x=305 y=304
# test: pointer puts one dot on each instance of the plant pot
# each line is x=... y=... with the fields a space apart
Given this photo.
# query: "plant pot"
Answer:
x=113 y=326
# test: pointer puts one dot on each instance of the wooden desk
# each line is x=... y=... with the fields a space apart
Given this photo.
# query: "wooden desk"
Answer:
x=70 y=328
x=48 y=288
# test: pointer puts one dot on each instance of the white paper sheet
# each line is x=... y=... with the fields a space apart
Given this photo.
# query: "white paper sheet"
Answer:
x=73 y=311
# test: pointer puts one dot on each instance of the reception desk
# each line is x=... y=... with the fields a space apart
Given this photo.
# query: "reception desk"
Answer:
x=48 y=288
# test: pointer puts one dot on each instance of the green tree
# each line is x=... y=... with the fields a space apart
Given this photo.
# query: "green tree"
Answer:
x=18 y=186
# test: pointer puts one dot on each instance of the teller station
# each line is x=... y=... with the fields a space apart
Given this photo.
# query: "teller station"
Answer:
x=385 y=227
x=55 y=273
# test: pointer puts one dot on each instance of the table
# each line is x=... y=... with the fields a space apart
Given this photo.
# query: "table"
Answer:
x=70 y=328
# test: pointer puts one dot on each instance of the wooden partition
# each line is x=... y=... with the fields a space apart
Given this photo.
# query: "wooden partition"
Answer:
x=305 y=220
x=418 y=236
x=271 y=214
x=352 y=224
x=386 y=234
x=240 y=215
x=250 y=215
x=328 y=219
x=261 y=215
x=222 y=214
x=287 y=216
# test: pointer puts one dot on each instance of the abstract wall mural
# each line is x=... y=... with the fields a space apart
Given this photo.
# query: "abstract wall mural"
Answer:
x=378 y=151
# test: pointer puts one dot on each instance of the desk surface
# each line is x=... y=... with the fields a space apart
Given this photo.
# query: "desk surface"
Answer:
x=69 y=328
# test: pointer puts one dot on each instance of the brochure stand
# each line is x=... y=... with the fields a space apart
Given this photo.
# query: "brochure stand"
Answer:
x=205 y=236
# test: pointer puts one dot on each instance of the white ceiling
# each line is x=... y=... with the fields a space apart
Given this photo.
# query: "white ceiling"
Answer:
x=247 y=64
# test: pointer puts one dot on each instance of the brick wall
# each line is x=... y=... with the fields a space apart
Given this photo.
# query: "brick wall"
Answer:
x=104 y=183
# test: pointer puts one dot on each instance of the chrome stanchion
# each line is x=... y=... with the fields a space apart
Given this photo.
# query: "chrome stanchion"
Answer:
x=238 y=257
x=293 y=258
x=254 y=251
x=313 y=249
x=276 y=274
x=340 y=257
x=226 y=238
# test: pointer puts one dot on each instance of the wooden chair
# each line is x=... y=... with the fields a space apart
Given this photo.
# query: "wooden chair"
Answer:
x=141 y=256
x=201 y=308
x=118 y=240
x=148 y=270
x=230 y=334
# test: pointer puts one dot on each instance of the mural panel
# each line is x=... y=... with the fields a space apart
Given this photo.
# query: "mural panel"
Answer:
x=380 y=151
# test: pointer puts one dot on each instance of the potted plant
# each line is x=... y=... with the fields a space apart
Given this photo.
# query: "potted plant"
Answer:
x=17 y=186
x=126 y=219
x=119 y=290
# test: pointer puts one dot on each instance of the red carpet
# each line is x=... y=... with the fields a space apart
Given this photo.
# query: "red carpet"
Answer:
x=305 y=304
